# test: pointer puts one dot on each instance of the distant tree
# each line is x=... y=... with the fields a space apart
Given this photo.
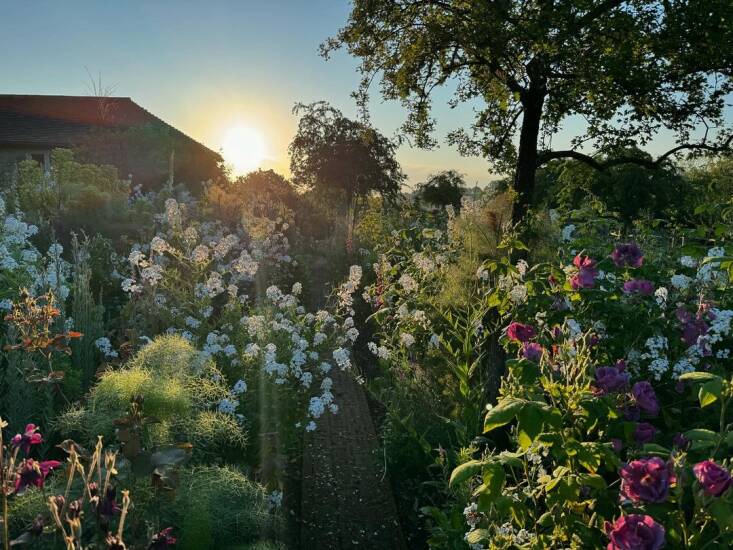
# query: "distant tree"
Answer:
x=331 y=152
x=630 y=190
x=443 y=188
x=628 y=68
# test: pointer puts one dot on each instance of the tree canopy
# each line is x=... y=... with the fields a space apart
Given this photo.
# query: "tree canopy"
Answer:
x=443 y=188
x=332 y=152
x=627 y=68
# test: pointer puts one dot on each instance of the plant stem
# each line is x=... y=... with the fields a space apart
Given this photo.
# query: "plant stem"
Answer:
x=3 y=489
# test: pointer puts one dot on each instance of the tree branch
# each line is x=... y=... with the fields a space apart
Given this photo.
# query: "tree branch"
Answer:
x=601 y=165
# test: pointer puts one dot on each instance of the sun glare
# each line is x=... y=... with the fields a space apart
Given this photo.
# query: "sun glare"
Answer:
x=243 y=149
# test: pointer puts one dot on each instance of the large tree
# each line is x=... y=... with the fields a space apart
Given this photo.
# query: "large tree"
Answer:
x=332 y=152
x=626 y=68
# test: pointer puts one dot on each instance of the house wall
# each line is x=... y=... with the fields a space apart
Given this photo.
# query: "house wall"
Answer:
x=11 y=156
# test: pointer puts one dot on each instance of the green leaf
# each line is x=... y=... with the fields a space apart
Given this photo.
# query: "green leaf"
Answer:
x=466 y=471
x=529 y=425
x=723 y=514
x=502 y=413
x=700 y=434
x=710 y=392
x=698 y=376
x=592 y=480
x=493 y=477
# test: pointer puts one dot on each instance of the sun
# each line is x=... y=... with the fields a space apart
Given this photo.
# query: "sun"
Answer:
x=243 y=149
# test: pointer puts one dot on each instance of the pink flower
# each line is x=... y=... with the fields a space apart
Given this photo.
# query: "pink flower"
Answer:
x=162 y=539
x=714 y=479
x=644 y=433
x=518 y=332
x=627 y=254
x=638 y=286
x=33 y=474
x=634 y=532
x=645 y=397
x=610 y=379
x=587 y=273
x=27 y=438
x=532 y=351
x=646 y=480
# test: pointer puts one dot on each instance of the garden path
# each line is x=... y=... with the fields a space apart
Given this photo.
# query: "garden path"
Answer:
x=347 y=501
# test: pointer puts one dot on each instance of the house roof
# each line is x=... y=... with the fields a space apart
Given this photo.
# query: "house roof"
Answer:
x=55 y=120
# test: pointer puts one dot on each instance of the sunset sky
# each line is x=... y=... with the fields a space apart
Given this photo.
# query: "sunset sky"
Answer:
x=209 y=68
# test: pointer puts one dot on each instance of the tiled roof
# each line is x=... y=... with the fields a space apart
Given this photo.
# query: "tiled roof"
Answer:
x=62 y=120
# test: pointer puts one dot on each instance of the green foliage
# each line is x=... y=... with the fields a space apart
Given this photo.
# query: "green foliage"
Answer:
x=332 y=152
x=443 y=188
x=178 y=388
x=86 y=313
x=218 y=507
x=526 y=71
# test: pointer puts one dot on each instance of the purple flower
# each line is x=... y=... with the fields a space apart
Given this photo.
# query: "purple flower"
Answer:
x=532 y=351
x=33 y=474
x=617 y=444
x=639 y=286
x=162 y=539
x=680 y=441
x=587 y=273
x=644 y=433
x=714 y=479
x=627 y=254
x=610 y=379
x=107 y=505
x=634 y=532
x=27 y=438
x=519 y=332
x=645 y=397
x=646 y=480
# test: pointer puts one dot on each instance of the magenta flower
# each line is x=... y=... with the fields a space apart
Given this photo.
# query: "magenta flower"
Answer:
x=610 y=379
x=162 y=539
x=634 y=532
x=646 y=480
x=627 y=254
x=638 y=286
x=33 y=474
x=532 y=351
x=644 y=433
x=518 y=332
x=586 y=275
x=714 y=479
x=645 y=398
x=27 y=438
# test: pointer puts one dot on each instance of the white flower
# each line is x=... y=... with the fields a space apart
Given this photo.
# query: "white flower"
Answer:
x=159 y=245
x=688 y=261
x=407 y=339
x=567 y=233
x=228 y=406
x=681 y=281
x=408 y=283
x=661 y=295
x=200 y=254
x=518 y=294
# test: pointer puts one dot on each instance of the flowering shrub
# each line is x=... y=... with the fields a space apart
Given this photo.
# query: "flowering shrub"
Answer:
x=616 y=404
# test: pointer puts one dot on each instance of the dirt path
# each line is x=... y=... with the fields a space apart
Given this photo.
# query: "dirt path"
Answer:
x=346 y=501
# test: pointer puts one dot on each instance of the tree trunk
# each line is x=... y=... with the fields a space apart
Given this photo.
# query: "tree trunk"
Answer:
x=526 y=168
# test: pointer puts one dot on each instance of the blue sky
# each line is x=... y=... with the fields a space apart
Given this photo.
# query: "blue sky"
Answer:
x=207 y=67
